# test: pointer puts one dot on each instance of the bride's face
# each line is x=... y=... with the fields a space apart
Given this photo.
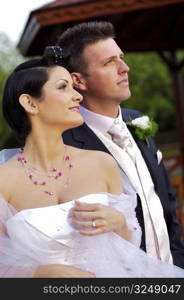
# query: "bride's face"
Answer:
x=60 y=102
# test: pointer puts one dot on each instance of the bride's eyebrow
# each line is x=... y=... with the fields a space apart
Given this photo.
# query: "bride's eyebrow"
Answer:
x=65 y=80
x=62 y=79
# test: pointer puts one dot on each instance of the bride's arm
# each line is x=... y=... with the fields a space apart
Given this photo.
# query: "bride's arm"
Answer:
x=61 y=271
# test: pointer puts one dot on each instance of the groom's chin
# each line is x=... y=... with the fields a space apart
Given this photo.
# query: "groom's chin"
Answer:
x=127 y=96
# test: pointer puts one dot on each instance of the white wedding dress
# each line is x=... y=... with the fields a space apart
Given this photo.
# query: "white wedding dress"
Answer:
x=33 y=237
x=38 y=236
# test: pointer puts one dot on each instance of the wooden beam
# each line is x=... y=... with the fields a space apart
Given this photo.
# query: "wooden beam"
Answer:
x=86 y=10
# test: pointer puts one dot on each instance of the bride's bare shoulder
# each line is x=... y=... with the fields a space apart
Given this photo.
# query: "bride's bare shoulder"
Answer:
x=93 y=156
x=7 y=171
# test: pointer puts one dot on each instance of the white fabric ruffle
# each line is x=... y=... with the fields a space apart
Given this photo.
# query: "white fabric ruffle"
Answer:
x=38 y=236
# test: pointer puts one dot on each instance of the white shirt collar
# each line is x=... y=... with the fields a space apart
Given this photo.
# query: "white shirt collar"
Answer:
x=98 y=121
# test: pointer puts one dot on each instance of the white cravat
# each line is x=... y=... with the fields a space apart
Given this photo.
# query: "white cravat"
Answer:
x=157 y=240
x=120 y=136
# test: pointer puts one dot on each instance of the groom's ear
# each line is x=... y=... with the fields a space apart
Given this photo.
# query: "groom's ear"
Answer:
x=79 y=81
x=28 y=103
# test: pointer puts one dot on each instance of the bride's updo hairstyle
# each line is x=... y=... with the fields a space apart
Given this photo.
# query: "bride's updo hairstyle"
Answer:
x=27 y=78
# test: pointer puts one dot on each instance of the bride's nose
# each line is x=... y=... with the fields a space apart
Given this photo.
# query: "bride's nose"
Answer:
x=77 y=96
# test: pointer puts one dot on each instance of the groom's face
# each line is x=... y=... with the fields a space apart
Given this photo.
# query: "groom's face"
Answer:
x=106 y=76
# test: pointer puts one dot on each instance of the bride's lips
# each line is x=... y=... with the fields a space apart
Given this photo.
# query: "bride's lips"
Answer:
x=75 y=108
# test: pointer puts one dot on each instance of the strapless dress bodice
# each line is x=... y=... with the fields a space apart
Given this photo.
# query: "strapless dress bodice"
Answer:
x=46 y=235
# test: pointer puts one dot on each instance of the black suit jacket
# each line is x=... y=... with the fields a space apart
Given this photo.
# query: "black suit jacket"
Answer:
x=83 y=137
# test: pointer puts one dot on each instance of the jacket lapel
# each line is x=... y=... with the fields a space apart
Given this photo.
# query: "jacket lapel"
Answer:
x=87 y=139
x=149 y=153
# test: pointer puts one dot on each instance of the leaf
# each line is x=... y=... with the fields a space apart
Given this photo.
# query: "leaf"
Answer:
x=144 y=134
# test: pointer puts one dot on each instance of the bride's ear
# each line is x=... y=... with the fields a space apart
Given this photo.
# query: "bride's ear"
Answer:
x=28 y=103
x=79 y=81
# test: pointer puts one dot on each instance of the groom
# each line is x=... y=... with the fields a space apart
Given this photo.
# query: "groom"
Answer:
x=101 y=76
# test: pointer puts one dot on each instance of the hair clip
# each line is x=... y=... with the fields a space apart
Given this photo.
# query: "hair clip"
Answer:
x=58 y=53
x=54 y=53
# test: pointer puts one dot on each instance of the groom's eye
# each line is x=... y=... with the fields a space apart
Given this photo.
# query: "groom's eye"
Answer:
x=122 y=56
x=108 y=62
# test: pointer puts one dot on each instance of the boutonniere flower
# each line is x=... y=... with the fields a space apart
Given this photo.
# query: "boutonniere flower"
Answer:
x=144 y=127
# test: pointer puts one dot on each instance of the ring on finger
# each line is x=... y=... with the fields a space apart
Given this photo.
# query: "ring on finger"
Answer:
x=93 y=224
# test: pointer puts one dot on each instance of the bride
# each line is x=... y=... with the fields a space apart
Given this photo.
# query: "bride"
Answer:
x=62 y=209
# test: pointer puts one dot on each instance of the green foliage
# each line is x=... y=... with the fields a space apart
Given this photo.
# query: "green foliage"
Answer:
x=9 y=58
x=151 y=89
x=9 y=54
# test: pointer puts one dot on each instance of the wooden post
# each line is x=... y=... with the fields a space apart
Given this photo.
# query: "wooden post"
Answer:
x=175 y=66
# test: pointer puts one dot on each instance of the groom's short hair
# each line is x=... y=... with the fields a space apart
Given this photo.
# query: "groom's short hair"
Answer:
x=75 y=39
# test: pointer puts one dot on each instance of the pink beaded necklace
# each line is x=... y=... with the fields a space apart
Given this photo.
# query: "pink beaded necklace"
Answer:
x=53 y=175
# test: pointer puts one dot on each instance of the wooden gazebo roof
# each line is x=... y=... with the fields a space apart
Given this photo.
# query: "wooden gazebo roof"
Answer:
x=141 y=25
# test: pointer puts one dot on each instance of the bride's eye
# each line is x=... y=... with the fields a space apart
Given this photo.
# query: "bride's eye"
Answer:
x=62 y=87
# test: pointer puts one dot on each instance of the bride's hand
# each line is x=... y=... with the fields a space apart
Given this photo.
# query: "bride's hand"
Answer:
x=61 y=271
x=93 y=219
